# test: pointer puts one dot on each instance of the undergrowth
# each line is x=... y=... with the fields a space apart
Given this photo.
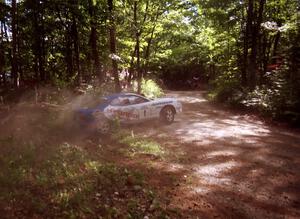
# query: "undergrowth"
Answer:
x=277 y=97
x=138 y=145
x=65 y=181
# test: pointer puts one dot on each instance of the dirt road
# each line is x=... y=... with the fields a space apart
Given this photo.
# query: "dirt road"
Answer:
x=226 y=165
x=217 y=163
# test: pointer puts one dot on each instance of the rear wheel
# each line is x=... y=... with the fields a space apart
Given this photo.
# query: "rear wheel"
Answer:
x=103 y=126
x=167 y=115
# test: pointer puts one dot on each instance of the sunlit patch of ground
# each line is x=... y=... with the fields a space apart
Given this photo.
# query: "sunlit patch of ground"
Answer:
x=231 y=165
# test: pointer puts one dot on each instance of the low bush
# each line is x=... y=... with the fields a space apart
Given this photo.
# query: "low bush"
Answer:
x=150 y=88
x=226 y=88
x=277 y=98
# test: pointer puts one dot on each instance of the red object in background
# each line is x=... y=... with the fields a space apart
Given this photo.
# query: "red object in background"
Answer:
x=276 y=62
x=272 y=67
x=29 y=83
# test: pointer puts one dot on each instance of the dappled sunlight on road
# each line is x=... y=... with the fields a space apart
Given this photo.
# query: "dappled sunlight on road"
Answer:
x=230 y=162
x=221 y=153
x=189 y=99
x=211 y=174
x=200 y=121
x=215 y=169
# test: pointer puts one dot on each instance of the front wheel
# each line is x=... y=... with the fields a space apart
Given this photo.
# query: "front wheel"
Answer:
x=167 y=115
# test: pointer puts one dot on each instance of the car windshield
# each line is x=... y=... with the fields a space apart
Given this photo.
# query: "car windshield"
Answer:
x=128 y=100
x=93 y=102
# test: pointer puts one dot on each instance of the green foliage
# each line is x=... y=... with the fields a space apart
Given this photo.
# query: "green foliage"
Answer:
x=226 y=87
x=35 y=178
x=178 y=40
x=60 y=82
x=151 y=89
x=278 y=98
x=138 y=145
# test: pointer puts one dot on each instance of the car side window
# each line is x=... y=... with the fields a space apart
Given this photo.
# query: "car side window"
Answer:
x=115 y=102
x=128 y=100
x=137 y=100
x=120 y=101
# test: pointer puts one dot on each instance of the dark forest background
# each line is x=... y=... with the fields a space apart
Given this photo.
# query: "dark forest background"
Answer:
x=246 y=53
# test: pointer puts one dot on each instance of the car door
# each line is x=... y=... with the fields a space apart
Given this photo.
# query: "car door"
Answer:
x=138 y=108
x=122 y=109
x=143 y=106
x=129 y=109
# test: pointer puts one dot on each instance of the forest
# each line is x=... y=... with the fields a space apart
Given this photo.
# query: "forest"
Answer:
x=246 y=51
x=233 y=152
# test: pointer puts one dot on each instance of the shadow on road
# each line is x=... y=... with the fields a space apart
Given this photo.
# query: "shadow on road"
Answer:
x=228 y=165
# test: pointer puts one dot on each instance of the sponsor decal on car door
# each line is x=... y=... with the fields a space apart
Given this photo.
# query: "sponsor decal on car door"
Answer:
x=123 y=113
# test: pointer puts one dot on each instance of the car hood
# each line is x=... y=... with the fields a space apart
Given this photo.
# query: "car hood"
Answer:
x=85 y=111
x=165 y=99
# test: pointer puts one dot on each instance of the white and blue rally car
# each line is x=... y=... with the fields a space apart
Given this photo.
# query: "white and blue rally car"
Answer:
x=128 y=108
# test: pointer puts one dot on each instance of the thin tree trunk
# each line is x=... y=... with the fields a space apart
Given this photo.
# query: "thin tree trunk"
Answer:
x=94 y=44
x=265 y=58
x=131 y=67
x=246 y=42
x=253 y=55
x=38 y=42
x=42 y=41
x=19 y=65
x=4 y=35
x=76 y=49
x=69 y=56
x=137 y=41
x=2 y=57
x=136 y=52
x=149 y=43
x=276 y=42
x=14 y=61
x=113 y=49
x=147 y=52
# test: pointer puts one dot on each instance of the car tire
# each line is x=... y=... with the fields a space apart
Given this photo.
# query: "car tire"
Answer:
x=103 y=125
x=167 y=115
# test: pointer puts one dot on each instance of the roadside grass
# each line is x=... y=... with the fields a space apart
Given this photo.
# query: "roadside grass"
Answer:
x=138 y=145
x=66 y=181
x=45 y=174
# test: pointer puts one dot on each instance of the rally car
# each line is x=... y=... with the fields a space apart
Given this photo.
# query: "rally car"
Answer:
x=128 y=108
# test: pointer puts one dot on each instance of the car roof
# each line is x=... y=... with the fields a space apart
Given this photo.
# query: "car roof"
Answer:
x=112 y=96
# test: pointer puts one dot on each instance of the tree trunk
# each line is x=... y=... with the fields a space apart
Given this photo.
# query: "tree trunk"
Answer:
x=6 y=37
x=2 y=57
x=276 y=42
x=94 y=43
x=19 y=64
x=69 y=56
x=246 y=42
x=76 y=49
x=113 y=49
x=253 y=56
x=265 y=58
x=131 y=67
x=149 y=43
x=38 y=42
x=137 y=42
x=14 y=61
